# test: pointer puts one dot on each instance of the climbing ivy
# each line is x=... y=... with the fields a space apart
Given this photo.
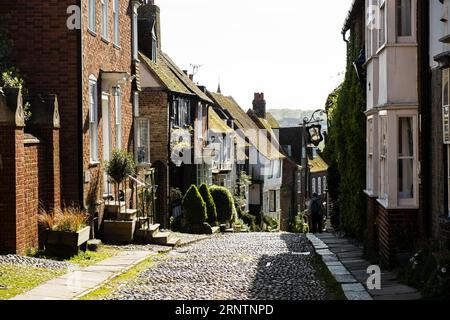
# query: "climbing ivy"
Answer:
x=346 y=146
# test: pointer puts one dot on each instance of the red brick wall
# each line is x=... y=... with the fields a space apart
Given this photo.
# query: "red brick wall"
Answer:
x=27 y=223
x=397 y=229
x=154 y=106
x=100 y=55
x=45 y=52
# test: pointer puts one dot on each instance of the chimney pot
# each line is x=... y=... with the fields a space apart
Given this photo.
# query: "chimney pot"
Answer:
x=191 y=76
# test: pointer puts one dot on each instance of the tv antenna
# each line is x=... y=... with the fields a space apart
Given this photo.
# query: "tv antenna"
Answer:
x=195 y=68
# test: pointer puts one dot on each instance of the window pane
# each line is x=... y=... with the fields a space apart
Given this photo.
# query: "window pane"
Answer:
x=405 y=137
x=404 y=18
x=445 y=87
x=405 y=179
x=92 y=15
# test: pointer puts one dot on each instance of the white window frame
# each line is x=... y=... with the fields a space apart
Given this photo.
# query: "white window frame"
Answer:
x=116 y=30
x=118 y=116
x=313 y=186
x=370 y=154
x=105 y=19
x=92 y=18
x=389 y=195
x=319 y=186
x=93 y=120
x=140 y=138
x=382 y=31
x=401 y=38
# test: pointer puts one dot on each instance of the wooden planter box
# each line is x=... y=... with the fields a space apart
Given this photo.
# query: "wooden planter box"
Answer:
x=119 y=231
x=66 y=244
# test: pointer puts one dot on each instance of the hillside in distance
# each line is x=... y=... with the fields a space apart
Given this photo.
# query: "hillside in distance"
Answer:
x=293 y=117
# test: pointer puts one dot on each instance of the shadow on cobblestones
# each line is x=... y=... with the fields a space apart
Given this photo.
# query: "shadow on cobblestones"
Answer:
x=288 y=276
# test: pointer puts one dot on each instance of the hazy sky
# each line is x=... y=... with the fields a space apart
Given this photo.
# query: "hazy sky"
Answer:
x=291 y=50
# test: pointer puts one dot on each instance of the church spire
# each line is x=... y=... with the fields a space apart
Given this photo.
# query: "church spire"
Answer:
x=218 y=88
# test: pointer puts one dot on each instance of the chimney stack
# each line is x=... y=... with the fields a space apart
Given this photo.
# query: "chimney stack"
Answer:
x=259 y=105
x=191 y=76
x=148 y=18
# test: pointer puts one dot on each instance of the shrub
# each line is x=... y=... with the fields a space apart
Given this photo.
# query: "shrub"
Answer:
x=226 y=211
x=299 y=224
x=176 y=224
x=210 y=205
x=271 y=223
x=194 y=207
x=70 y=219
x=249 y=220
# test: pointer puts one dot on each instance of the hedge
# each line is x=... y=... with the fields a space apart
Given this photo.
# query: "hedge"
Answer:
x=210 y=205
x=226 y=211
x=194 y=207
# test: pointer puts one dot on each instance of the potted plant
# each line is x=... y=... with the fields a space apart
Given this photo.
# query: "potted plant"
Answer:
x=67 y=231
x=121 y=222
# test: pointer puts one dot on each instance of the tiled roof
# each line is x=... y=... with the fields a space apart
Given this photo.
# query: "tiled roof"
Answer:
x=171 y=76
x=185 y=79
x=318 y=165
x=162 y=71
x=272 y=121
x=245 y=123
x=216 y=124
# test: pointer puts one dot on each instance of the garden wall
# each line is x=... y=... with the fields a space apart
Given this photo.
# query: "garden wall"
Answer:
x=29 y=168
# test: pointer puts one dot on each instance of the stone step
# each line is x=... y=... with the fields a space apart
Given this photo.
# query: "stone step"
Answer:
x=173 y=242
x=127 y=214
x=161 y=238
x=113 y=208
x=215 y=230
x=146 y=234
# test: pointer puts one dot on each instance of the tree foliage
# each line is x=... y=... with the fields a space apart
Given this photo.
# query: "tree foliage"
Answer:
x=346 y=146
x=194 y=207
x=226 y=211
x=210 y=205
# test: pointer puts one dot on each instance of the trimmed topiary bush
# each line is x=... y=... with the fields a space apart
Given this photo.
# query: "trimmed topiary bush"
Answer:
x=226 y=211
x=194 y=207
x=210 y=205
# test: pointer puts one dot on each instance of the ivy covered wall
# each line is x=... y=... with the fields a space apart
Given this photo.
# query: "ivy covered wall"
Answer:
x=345 y=149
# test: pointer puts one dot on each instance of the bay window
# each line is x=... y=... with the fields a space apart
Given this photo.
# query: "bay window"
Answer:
x=398 y=185
x=370 y=154
x=93 y=121
x=383 y=158
x=405 y=158
x=404 y=18
x=319 y=186
x=313 y=185
x=382 y=24
x=143 y=140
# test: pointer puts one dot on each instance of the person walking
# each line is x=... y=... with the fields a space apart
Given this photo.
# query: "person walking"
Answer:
x=316 y=212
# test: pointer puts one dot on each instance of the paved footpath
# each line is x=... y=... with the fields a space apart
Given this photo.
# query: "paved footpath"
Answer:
x=345 y=262
x=80 y=282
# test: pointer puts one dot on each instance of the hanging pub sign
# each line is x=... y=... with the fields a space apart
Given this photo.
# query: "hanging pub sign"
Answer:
x=315 y=134
x=446 y=124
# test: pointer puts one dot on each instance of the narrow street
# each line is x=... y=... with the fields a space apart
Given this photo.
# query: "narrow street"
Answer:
x=253 y=266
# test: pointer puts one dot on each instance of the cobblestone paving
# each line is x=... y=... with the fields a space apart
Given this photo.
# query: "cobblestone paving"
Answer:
x=252 y=266
x=13 y=259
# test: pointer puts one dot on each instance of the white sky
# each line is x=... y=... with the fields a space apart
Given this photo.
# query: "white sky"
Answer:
x=291 y=50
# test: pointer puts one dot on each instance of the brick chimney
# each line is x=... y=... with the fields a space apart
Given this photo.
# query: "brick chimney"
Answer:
x=259 y=105
x=148 y=17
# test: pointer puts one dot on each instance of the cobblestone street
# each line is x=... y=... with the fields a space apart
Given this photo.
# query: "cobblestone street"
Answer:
x=252 y=266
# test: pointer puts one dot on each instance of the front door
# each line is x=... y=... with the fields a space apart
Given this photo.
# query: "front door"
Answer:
x=107 y=147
